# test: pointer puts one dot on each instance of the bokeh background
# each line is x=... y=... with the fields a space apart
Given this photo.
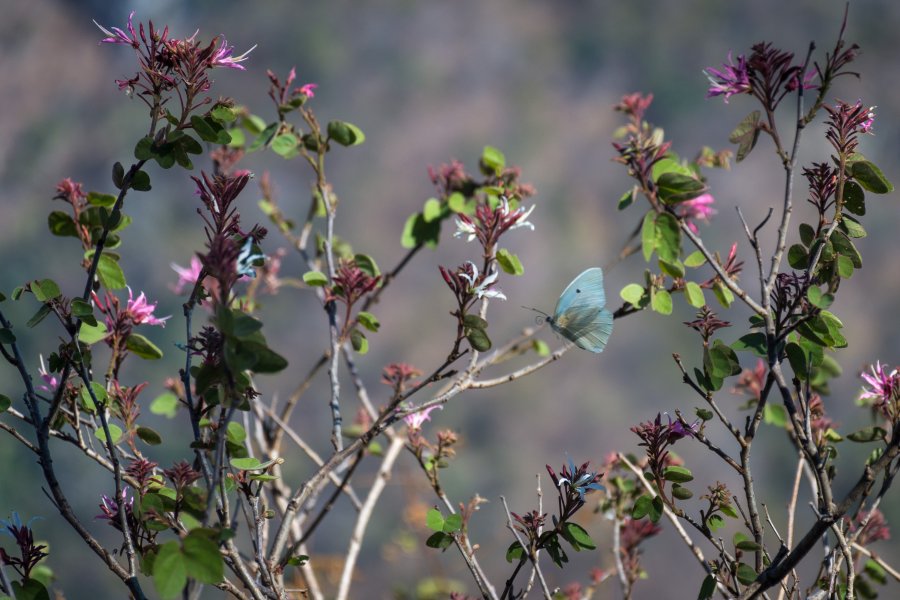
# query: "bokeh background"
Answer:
x=428 y=82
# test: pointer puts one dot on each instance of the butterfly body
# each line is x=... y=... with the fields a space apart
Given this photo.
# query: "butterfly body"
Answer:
x=580 y=316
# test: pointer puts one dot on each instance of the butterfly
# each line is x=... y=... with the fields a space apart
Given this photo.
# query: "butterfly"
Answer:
x=580 y=316
x=247 y=259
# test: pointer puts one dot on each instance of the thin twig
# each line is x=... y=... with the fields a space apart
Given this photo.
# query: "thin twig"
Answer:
x=531 y=557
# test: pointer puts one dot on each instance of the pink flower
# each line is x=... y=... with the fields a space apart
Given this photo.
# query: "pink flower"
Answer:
x=732 y=79
x=415 y=420
x=117 y=36
x=883 y=386
x=187 y=276
x=222 y=57
x=309 y=90
x=50 y=382
x=141 y=311
x=697 y=208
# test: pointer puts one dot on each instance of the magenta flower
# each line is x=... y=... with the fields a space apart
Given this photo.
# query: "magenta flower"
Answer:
x=697 y=208
x=415 y=420
x=730 y=80
x=309 y=89
x=883 y=386
x=187 y=276
x=222 y=57
x=110 y=508
x=117 y=36
x=806 y=83
x=866 y=125
x=51 y=383
x=141 y=311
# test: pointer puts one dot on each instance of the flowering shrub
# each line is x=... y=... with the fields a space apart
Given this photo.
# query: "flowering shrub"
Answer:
x=226 y=513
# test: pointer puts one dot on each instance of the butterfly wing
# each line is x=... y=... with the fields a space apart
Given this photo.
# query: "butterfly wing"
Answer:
x=579 y=314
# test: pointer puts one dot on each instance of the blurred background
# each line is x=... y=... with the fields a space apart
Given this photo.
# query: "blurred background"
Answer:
x=429 y=82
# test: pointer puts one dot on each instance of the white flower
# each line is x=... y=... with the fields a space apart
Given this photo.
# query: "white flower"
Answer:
x=481 y=291
x=464 y=228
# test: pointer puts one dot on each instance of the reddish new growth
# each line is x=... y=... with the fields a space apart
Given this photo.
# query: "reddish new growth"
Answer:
x=171 y=64
x=351 y=283
x=30 y=554
x=181 y=474
x=397 y=375
x=752 y=381
x=874 y=527
x=489 y=223
x=845 y=123
x=631 y=534
x=141 y=470
x=707 y=323
x=641 y=149
x=125 y=406
x=73 y=194
x=656 y=438
x=282 y=94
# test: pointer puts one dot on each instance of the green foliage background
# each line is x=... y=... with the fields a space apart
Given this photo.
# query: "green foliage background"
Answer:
x=427 y=82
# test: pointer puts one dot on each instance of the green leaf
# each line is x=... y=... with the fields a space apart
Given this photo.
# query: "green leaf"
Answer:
x=720 y=361
x=675 y=187
x=704 y=414
x=91 y=334
x=648 y=235
x=669 y=164
x=754 y=341
x=143 y=347
x=61 y=224
x=867 y=434
x=509 y=262
x=674 y=269
x=223 y=114
x=745 y=573
x=540 y=347
x=695 y=259
x=723 y=294
x=39 y=316
x=797 y=256
x=774 y=414
x=98 y=199
x=439 y=540
x=201 y=556
x=854 y=198
x=473 y=321
x=715 y=522
x=680 y=492
x=678 y=474
x=627 y=199
x=368 y=320
x=694 y=294
x=807 y=234
x=169 y=570
x=870 y=177
x=250 y=464
x=748 y=546
x=798 y=359
x=418 y=231
x=359 y=341
x=632 y=293
x=45 y=289
x=479 y=340
x=514 y=552
x=661 y=302
x=668 y=237
x=285 y=145
x=851 y=227
x=492 y=160
x=818 y=298
x=165 y=404
x=148 y=436
x=235 y=433
x=5 y=403
x=431 y=210
x=745 y=135
x=141 y=182
x=642 y=507
x=210 y=130
x=452 y=523
x=263 y=138
x=576 y=535
x=114 y=431
x=315 y=279
x=844 y=267
x=110 y=273
x=457 y=202
x=844 y=247
x=345 y=134
x=876 y=572
x=118 y=175
x=707 y=588
x=434 y=520
x=656 y=509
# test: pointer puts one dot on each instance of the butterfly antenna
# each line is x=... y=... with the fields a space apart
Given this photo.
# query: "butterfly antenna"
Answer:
x=538 y=320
